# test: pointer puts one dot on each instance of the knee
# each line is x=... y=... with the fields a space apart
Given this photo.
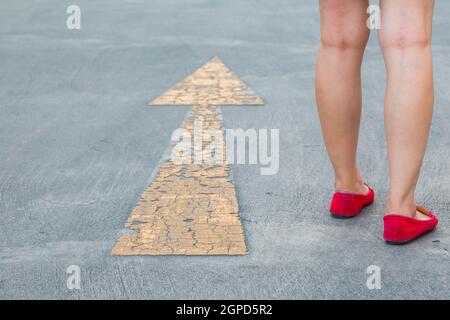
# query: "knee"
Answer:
x=343 y=25
x=342 y=38
x=401 y=38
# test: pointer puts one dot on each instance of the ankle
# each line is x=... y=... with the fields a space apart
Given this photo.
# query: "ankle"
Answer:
x=357 y=187
x=403 y=206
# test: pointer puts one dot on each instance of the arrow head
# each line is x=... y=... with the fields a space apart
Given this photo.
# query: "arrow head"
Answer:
x=212 y=84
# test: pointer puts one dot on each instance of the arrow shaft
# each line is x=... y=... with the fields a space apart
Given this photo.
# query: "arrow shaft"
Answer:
x=190 y=208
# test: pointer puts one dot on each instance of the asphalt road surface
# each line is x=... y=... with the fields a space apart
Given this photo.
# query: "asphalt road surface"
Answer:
x=79 y=144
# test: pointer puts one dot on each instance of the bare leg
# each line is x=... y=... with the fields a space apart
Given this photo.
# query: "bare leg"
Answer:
x=344 y=36
x=405 y=37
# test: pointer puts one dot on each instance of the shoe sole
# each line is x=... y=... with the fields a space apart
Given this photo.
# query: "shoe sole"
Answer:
x=402 y=242
x=339 y=216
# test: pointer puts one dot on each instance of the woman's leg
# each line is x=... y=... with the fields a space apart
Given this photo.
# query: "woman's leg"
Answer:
x=344 y=36
x=405 y=37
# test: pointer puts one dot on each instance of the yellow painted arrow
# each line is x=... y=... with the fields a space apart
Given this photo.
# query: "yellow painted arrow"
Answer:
x=191 y=208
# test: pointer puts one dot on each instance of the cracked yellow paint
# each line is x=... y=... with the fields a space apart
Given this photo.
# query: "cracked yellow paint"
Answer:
x=213 y=84
x=191 y=208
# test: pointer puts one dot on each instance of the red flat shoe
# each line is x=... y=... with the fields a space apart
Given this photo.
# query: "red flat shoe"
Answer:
x=348 y=205
x=399 y=229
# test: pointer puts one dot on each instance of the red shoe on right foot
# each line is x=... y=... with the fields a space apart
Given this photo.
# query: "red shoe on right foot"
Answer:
x=348 y=205
x=399 y=229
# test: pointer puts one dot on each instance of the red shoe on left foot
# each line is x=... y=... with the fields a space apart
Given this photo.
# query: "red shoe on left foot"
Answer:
x=348 y=205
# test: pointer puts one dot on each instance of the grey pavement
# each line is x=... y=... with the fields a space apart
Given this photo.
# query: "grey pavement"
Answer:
x=78 y=145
